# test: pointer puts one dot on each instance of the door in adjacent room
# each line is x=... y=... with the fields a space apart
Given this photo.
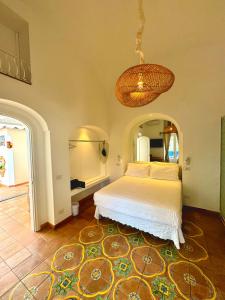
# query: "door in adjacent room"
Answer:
x=14 y=174
x=143 y=148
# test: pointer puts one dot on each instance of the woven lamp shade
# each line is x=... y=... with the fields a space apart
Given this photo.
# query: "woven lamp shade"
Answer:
x=170 y=129
x=155 y=80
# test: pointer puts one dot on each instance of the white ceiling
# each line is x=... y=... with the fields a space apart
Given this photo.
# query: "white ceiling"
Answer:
x=9 y=121
x=101 y=33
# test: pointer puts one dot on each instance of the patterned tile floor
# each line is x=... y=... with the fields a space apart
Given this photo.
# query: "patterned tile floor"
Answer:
x=86 y=260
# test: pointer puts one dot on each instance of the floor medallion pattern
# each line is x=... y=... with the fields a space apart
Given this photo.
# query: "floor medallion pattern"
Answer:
x=127 y=230
x=95 y=277
x=115 y=246
x=34 y=286
x=191 y=230
x=162 y=288
x=91 y=234
x=189 y=276
x=147 y=261
x=132 y=288
x=153 y=240
x=68 y=257
x=193 y=251
x=111 y=261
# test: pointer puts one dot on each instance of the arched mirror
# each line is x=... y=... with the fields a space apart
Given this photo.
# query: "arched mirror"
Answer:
x=156 y=140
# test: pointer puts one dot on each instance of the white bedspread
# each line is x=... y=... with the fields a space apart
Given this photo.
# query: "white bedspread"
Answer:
x=158 y=202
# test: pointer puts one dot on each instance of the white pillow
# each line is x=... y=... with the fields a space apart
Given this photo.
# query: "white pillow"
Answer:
x=164 y=172
x=137 y=170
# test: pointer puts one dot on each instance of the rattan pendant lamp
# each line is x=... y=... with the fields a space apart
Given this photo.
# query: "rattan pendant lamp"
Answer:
x=143 y=83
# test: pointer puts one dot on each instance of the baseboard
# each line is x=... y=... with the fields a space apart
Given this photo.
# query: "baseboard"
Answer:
x=83 y=204
x=208 y=212
x=63 y=222
x=203 y=210
x=48 y=225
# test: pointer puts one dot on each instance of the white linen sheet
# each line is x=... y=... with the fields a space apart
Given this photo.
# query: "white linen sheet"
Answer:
x=151 y=205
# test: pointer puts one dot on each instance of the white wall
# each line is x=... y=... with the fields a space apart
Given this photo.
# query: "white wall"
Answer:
x=64 y=91
x=197 y=103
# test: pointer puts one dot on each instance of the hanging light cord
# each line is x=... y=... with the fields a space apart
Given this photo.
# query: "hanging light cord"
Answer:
x=140 y=31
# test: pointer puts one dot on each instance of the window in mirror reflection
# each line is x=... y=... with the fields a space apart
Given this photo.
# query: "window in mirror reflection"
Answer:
x=173 y=148
x=156 y=140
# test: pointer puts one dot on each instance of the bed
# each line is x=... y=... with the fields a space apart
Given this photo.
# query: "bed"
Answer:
x=148 y=204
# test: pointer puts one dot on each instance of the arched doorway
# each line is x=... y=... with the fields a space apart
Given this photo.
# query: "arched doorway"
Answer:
x=40 y=175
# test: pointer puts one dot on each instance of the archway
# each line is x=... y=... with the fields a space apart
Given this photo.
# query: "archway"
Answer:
x=127 y=150
x=41 y=185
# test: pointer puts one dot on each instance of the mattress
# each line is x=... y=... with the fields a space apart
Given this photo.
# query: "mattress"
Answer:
x=149 y=199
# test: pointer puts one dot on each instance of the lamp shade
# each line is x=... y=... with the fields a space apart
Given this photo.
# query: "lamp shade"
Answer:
x=141 y=84
x=170 y=129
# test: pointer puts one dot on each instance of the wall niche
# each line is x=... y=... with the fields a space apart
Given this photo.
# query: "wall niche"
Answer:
x=88 y=154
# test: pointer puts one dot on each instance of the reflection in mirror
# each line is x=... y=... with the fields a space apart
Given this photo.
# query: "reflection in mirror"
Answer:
x=156 y=140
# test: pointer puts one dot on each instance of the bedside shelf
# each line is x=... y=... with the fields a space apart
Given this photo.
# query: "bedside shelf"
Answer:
x=89 y=183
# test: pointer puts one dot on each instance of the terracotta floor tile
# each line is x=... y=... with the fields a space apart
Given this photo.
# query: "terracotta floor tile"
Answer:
x=50 y=235
x=4 y=268
x=17 y=258
x=74 y=239
x=44 y=289
x=7 y=294
x=218 y=264
x=19 y=291
x=48 y=260
x=31 y=280
x=37 y=245
x=3 y=235
x=12 y=211
x=26 y=237
x=49 y=248
x=217 y=279
x=10 y=223
x=10 y=250
x=4 y=221
x=7 y=242
x=41 y=268
x=12 y=227
x=7 y=281
x=216 y=247
x=27 y=266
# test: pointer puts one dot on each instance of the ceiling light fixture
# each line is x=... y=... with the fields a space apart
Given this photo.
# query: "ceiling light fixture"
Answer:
x=170 y=128
x=143 y=83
